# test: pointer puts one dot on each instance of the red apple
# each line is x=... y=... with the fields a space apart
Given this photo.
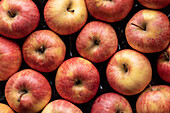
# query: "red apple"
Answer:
x=154 y=4
x=65 y=17
x=129 y=72
x=77 y=80
x=18 y=18
x=97 y=41
x=148 y=31
x=61 y=106
x=109 y=10
x=10 y=58
x=155 y=99
x=111 y=103
x=5 y=108
x=27 y=91
x=163 y=65
x=44 y=51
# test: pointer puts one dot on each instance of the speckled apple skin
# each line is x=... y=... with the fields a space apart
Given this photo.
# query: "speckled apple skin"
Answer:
x=163 y=65
x=61 y=106
x=10 y=58
x=73 y=69
x=26 y=20
x=155 y=4
x=109 y=10
x=155 y=100
x=111 y=103
x=96 y=30
x=137 y=77
x=53 y=55
x=62 y=21
x=155 y=38
x=38 y=91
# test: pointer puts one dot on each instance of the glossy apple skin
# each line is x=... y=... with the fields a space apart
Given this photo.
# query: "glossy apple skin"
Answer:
x=61 y=106
x=5 y=108
x=86 y=41
x=73 y=70
x=26 y=19
x=137 y=76
x=111 y=103
x=53 y=50
x=156 y=36
x=38 y=91
x=163 y=65
x=109 y=10
x=154 y=4
x=60 y=18
x=156 y=100
x=10 y=58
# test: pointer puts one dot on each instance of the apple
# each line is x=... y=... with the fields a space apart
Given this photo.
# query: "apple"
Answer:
x=27 y=91
x=77 y=80
x=111 y=103
x=97 y=41
x=155 y=99
x=5 y=108
x=109 y=10
x=129 y=72
x=44 y=51
x=163 y=64
x=61 y=106
x=18 y=18
x=65 y=17
x=148 y=31
x=10 y=58
x=154 y=4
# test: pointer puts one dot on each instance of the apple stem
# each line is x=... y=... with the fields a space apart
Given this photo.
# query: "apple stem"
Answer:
x=150 y=87
x=22 y=93
x=165 y=54
x=97 y=41
x=125 y=67
x=11 y=14
x=143 y=28
x=70 y=10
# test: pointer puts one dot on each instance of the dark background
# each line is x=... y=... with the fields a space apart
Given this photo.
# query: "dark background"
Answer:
x=72 y=52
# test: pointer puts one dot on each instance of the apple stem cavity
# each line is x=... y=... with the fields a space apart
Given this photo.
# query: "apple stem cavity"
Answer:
x=165 y=54
x=11 y=14
x=143 y=28
x=77 y=82
x=69 y=9
x=41 y=49
x=97 y=41
x=125 y=67
x=22 y=92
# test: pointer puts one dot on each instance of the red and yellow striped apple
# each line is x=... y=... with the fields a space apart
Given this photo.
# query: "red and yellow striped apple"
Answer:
x=77 y=80
x=10 y=58
x=111 y=103
x=65 y=17
x=148 y=31
x=129 y=72
x=27 y=91
x=43 y=50
x=155 y=99
x=109 y=10
x=18 y=18
x=155 y=4
x=61 y=106
x=97 y=41
x=163 y=64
